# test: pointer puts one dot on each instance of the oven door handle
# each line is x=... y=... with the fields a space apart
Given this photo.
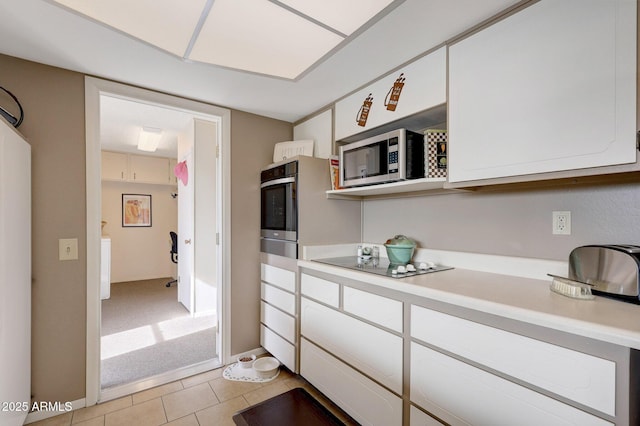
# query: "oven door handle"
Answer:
x=278 y=181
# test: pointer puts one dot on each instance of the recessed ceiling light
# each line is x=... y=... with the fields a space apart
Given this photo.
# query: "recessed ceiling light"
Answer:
x=149 y=139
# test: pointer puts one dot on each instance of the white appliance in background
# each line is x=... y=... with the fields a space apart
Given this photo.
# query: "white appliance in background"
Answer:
x=105 y=268
x=285 y=150
x=15 y=275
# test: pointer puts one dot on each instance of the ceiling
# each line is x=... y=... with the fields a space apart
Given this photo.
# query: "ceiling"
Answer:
x=280 y=38
x=45 y=32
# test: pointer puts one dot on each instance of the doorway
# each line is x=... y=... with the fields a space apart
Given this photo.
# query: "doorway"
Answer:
x=218 y=121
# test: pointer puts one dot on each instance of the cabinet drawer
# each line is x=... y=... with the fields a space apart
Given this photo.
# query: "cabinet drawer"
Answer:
x=278 y=321
x=371 y=350
x=279 y=277
x=580 y=377
x=276 y=297
x=457 y=391
x=322 y=290
x=364 y=400
x=378 y=309
x=418 y=418
x=284 y=351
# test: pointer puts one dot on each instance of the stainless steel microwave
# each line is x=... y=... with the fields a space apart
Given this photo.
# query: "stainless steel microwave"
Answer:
x=389 y=157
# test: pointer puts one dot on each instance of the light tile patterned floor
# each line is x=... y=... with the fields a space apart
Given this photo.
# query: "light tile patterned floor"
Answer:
x=202 y=400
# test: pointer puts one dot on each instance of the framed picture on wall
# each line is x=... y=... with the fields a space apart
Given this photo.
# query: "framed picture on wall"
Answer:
x=136 y=210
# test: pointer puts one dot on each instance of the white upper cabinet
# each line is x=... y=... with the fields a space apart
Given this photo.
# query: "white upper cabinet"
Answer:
x=319 y=130
x=117 y=166
x=549 y=88
x=146 y=169
x=415 y=87
x=114 y=166
x=173 y=179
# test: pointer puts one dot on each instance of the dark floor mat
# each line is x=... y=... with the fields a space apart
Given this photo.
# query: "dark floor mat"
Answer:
x=292 y=408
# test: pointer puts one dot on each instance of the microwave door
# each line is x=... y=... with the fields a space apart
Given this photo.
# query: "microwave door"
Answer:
x=366 y=164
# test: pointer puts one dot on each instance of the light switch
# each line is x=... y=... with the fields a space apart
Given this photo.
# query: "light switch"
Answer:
x=68 y=248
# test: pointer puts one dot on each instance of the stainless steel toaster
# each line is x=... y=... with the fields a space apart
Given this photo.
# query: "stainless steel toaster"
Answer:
x=611 y=270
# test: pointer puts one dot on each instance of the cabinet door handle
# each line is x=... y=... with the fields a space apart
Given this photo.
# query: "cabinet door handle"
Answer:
x=187 y=241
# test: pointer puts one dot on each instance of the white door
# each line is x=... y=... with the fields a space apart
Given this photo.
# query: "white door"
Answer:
x=205 y=217
x=186 y=224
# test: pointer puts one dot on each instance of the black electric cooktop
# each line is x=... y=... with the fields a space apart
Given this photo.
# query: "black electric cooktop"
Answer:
x=381 y=266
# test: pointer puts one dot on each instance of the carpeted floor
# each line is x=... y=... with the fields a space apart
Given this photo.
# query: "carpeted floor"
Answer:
x=146 y=331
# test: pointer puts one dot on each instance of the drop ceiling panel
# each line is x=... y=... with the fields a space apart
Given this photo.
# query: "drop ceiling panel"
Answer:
x=343 y=16
x=261 y=37
x=167 y=24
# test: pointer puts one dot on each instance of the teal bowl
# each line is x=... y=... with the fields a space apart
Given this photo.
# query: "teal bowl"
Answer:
x=399 y=254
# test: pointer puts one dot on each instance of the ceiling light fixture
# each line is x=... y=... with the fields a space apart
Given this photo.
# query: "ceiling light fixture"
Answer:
x=279 y=38
x=149 y=139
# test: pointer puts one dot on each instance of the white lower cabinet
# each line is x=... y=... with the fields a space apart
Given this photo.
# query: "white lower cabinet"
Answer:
x=280 y=277
x=371 y=350
x=583 y=378
x=281 y=349
x=279 y=298
x=380 y=310
x=321 y=290
x=462 y=394
x=363 y=399
x=278 y=321
x=419 y=418
x=278 y=333
x=391 y=358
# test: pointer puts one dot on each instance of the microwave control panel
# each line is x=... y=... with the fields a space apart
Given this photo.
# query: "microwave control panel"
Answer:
x=392 y=149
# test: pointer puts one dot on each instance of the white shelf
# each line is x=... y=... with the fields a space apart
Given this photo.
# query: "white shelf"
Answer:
x=392 y=189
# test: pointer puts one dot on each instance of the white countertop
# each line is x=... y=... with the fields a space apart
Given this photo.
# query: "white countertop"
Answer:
x=519 y=298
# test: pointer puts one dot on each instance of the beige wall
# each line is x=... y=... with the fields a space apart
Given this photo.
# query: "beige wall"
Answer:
x=53 y=100
x=511 y=223
x=252 y=141
x=140 y=253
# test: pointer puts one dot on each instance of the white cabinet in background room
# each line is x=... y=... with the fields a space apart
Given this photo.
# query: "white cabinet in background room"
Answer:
x=550 y=88
x=145 y=169
x=278 y=319
x=121 y=167
x=115 y=166
x=424 y=86
x=173 y=179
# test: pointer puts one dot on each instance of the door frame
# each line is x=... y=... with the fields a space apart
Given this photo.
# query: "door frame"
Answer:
x=94 y=88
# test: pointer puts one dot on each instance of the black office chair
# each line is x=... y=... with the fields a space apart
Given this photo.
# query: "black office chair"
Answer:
x=174 y=252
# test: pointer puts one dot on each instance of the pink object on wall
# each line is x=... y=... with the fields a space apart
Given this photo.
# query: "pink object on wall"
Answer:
x=181 y=172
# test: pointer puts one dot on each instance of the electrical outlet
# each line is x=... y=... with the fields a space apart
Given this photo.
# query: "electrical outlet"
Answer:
x=561 y=223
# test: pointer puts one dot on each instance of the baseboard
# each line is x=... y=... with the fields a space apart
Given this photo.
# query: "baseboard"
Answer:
x=64 y=407
x=256 y=352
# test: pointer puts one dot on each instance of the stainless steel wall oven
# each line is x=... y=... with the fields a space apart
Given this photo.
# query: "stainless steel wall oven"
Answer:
x=279 y=210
